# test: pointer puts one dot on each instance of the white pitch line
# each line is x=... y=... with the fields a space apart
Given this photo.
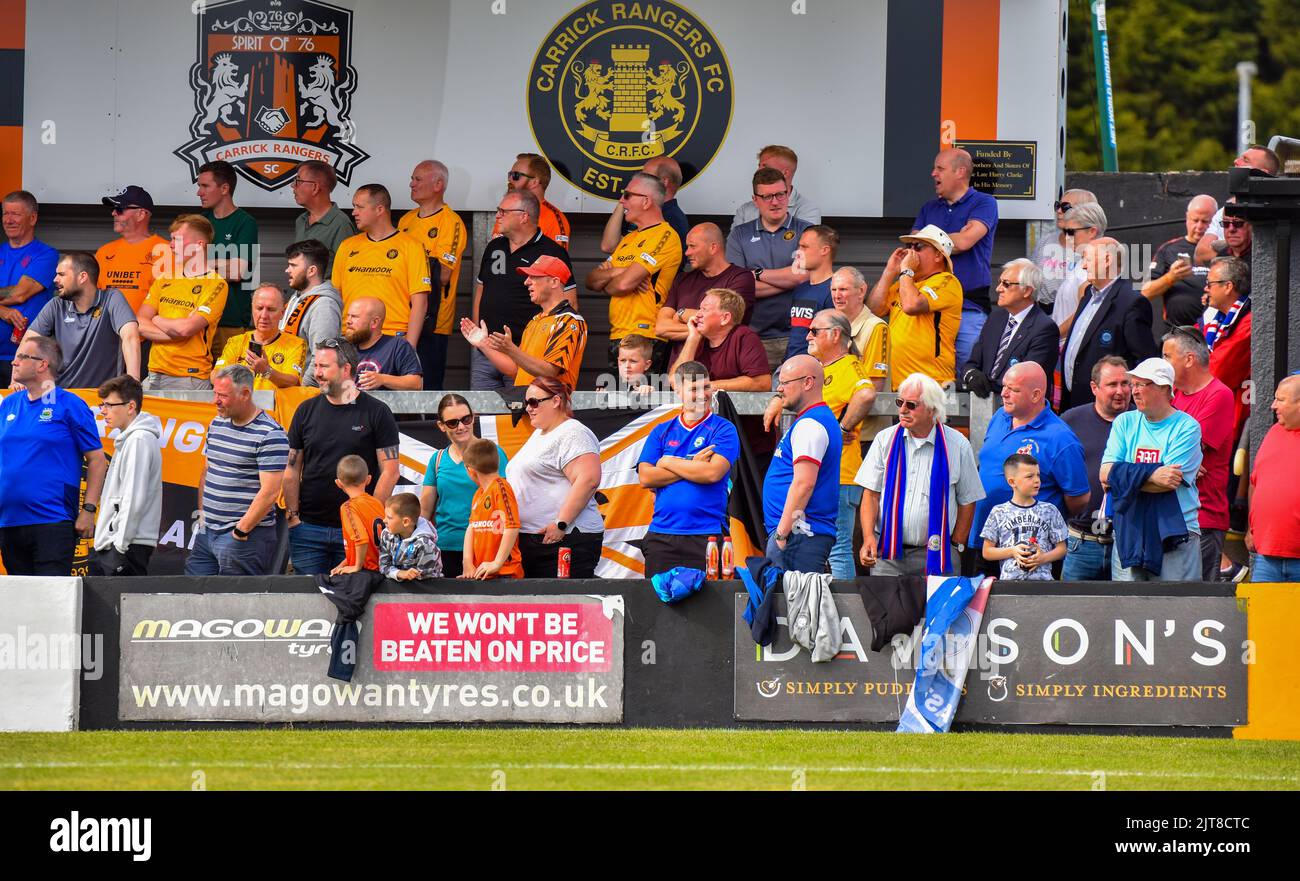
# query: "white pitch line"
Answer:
x=557 y=766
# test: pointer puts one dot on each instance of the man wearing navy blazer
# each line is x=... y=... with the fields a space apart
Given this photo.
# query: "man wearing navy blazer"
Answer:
x=1112 y=319
x=1017 y=331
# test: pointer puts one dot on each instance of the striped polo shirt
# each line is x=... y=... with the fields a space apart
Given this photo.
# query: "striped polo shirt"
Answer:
x=237 y=455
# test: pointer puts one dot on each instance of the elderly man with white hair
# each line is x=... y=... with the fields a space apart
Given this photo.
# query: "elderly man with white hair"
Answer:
x=869 y=331
x=1016 y=333
x=921 y=484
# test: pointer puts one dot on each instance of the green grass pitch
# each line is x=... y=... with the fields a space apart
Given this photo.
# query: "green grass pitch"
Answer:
x=593 y=759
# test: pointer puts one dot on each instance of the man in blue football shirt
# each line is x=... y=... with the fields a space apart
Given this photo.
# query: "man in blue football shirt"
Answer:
x=686 y=462
x=45 y=434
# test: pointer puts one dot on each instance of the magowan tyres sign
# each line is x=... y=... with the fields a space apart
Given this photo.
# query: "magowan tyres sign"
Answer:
x=263 y=658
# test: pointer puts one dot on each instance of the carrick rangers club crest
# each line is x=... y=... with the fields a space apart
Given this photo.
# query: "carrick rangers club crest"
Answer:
x=273 y=87
x=616 y=84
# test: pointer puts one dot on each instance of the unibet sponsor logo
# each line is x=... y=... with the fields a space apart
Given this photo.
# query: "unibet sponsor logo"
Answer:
x=616 y=84
x=228 y=629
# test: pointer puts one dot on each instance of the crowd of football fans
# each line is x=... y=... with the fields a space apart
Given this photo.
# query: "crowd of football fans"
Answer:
x=1117 y=452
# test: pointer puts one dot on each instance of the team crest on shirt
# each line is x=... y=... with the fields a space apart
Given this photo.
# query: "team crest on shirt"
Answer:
x=1030 y=448
x=273 y=83
x=277 y=358
x=392 y=254
x=47 y=414
x=789 y=234
x=616 y=84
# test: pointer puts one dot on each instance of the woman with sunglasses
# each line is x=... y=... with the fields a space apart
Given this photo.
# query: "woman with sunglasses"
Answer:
x=448 y=488
x=555 y=475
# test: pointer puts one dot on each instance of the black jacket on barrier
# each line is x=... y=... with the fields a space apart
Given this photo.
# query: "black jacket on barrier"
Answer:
x=894 y=605
x=350 y=594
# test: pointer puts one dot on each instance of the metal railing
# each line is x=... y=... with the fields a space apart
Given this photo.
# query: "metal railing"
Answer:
x=963 y=409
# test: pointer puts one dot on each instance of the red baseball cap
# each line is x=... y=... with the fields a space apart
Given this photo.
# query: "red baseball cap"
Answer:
x=548 y=266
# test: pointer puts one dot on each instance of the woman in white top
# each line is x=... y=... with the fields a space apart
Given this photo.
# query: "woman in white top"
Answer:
x=555 y=475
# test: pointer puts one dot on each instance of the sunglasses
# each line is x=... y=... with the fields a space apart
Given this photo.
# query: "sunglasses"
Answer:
x=23 y=356
x=516 y=175
x=1061 y=206
x=464 y=420
x=1071 y=230
x=627 y=194
x=906 y=405
x=534 y=403
x=1234 y=224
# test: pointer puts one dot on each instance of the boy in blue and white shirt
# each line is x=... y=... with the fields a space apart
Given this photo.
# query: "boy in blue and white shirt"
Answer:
x=1026 y=535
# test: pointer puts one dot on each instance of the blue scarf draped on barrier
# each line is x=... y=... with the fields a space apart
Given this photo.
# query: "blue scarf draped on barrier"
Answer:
x=938 y=556
x=952 y=621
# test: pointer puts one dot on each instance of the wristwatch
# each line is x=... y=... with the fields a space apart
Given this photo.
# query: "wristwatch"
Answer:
x=563 y=526
x=758 y=274
x=961 y=548
x=779 y=537
x=89 y=508
x=910 y=273
x=679 y=314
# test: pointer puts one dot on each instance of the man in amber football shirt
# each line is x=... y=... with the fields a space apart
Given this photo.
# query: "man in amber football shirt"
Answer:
x=440 y=230
x=637 y=276
x=385 y=263
x=179 y=315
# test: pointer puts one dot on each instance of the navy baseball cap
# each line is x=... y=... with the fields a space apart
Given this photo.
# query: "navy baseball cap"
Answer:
x=131 y=197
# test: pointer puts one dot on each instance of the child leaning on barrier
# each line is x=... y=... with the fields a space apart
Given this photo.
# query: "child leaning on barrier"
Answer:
x=362 y=516
x=408 y=546
x=1026 y=535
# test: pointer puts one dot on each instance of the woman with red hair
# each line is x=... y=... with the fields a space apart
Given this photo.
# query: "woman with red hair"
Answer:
x=555 y=476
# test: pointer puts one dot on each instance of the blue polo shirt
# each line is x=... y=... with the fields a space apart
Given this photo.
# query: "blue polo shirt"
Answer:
x=686 y=508
x=815 y=436
x=806 y=301
x=1049 y=440
x=971 y=267
x=37 y=261
x=751 y=246
x=41 y=447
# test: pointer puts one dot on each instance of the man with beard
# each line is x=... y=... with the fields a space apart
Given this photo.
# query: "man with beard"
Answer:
x=315 y=309
x=95 y=328
x=341 y=421
x=386 y=362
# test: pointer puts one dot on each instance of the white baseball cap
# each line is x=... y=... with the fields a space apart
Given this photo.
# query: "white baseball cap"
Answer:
x=1155 y=370
x=932 y=235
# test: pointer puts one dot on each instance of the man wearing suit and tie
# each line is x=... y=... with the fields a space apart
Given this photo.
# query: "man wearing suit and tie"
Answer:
x=1016 y=332
x=1112 y=319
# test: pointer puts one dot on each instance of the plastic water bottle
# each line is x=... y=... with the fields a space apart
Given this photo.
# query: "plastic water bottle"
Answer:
x=728 y=558
x=711 y=559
